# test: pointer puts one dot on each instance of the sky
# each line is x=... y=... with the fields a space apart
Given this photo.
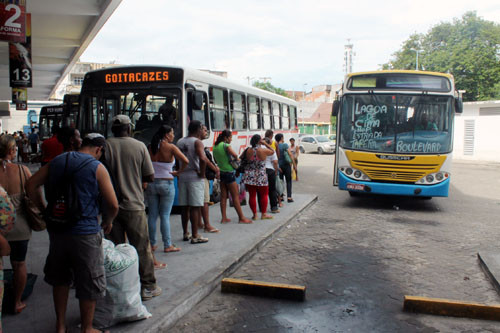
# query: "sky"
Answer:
x=297 y=44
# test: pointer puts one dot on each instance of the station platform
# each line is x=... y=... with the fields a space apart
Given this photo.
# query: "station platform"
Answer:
x=192 y=273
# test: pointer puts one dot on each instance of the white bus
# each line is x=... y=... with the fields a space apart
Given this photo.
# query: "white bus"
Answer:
x=156 y=95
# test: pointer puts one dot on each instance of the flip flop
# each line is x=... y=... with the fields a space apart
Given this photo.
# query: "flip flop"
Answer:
x=213 y=230
x=172 y=248
x=20 y=309
x=267 y=217
x=160 y=265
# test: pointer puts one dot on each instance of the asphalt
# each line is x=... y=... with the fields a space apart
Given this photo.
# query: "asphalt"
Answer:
x=191 y=274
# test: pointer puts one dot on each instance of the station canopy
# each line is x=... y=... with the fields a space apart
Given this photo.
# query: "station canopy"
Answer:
x=61 y=31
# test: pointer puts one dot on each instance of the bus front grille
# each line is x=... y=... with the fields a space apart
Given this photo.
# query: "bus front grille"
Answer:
x=394 y=175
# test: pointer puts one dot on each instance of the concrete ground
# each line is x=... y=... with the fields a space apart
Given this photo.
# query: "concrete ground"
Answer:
x=191 y=274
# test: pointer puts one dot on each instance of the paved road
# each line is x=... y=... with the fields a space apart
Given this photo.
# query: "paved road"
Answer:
x=358 y=257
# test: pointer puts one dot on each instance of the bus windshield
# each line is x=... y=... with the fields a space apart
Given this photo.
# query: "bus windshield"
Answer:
x=148 y=110
x=414 y=124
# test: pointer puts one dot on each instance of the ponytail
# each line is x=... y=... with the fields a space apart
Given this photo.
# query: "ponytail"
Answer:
x=159 y=135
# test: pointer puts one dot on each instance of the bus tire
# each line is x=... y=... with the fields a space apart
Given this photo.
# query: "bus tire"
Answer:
x=320 y=151
x=353 y=194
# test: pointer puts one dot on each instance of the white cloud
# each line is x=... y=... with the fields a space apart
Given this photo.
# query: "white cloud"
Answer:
x=294 y=42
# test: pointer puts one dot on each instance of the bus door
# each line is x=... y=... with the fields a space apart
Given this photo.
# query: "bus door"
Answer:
x=197 y=103
x=336 y=113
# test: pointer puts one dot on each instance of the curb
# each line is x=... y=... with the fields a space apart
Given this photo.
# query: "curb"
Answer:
x=211 y=280
x=487 y=265
x=444 y=307
x=265 y=289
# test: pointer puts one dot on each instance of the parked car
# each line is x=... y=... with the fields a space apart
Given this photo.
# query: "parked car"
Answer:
x=316 y=143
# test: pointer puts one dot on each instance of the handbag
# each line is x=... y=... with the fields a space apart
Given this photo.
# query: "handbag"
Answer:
x=33 y=213
x=287 y=157
x=232 y=160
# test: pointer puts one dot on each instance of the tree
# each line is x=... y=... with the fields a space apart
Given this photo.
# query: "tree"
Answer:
x=269 y=87
x=468 y=48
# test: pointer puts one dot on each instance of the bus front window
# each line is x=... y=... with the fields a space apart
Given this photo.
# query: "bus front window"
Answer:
x=396 y=123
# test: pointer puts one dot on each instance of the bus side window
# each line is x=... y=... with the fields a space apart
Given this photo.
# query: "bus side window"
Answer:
x=198 y=112
x=266 y=114
x=276 y=115
x=253 y=113
x=285 y=120
x=293 y=117
x=238 y=111
x=219 y=108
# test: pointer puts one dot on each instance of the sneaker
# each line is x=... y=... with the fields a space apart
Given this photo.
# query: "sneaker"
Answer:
x=147 y=294
x=186 y=237
x=198 y=240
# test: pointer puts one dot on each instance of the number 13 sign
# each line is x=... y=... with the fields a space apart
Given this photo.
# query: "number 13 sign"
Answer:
x=13 y=21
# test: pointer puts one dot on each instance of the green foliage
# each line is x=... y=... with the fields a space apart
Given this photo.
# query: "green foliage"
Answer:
x=468 y=48
x=269 y=87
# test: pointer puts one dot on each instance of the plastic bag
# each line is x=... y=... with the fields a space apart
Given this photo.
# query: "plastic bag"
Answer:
x=279 y=186
x=294 y=175
x=123 y=291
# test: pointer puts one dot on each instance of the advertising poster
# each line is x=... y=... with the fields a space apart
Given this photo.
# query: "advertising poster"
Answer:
x=20 y=66
x=13 y=20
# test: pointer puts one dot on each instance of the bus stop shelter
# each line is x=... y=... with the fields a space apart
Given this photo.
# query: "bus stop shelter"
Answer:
x=61 y=31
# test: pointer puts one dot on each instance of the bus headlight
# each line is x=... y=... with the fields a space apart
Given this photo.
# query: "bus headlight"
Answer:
x=433 y=178
x=354 y=173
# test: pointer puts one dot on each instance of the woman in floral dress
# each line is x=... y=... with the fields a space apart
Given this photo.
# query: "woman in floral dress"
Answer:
x=255 y=176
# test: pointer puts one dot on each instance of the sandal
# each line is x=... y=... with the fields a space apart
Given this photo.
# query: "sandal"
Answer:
x=187 y=237
x=171 y=248
x=212 y=230
x=290 y=200
x=198 y=240
x=154 y=247
x=267 y=217
x=160 y=265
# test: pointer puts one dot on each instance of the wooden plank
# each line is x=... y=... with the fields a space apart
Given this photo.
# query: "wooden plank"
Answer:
x=445 y=307
x=265 y=289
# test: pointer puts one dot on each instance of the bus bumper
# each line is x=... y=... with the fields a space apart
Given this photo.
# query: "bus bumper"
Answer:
x=437 y=190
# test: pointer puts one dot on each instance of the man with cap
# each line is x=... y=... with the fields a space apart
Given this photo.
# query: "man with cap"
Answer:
x=129 y=164
x=75 y=252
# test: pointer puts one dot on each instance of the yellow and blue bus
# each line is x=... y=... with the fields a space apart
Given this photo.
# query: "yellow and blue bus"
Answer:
x=395 y=133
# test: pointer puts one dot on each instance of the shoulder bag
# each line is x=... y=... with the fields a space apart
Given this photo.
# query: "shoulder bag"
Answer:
x=32 y=212
x=232 y=160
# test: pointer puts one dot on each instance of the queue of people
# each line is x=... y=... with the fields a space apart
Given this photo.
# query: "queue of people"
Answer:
x=113 y=199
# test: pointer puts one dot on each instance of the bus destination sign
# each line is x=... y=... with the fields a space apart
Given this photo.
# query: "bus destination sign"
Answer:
x=137 y=77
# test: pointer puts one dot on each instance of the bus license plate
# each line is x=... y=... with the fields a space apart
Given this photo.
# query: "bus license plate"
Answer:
x=357 y=187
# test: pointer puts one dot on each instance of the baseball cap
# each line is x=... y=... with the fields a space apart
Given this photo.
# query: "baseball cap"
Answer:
x=120 y=119
x=94 y=139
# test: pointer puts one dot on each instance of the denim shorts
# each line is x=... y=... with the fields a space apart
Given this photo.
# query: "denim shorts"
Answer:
x=227 y=177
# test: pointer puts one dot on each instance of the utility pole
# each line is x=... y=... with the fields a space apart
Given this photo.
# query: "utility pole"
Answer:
x=249 y=79
x=265 y=78
x=348 y=55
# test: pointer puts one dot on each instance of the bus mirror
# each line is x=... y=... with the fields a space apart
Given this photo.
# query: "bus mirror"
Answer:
x=335 y=108
x=459 y=105
x=198 y=100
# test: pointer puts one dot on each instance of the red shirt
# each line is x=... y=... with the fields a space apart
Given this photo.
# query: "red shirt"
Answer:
x=51 y=148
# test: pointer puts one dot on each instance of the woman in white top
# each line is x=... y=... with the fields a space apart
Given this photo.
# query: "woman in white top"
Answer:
x=160 y=194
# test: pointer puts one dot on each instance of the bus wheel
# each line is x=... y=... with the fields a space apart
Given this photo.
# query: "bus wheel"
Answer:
x=353 y=194
x=320 y=151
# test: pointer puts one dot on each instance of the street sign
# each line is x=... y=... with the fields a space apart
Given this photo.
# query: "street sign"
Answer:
x=13 y=21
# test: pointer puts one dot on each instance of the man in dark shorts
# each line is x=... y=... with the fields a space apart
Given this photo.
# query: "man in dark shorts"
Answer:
x=129 y=164
x=75 y=252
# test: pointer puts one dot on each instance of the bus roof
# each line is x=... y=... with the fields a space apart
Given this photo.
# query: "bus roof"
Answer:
x=396 y=71
x=204 y=77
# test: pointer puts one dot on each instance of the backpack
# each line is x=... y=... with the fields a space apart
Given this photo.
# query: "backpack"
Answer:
x=209 y=173
x=64 y=209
